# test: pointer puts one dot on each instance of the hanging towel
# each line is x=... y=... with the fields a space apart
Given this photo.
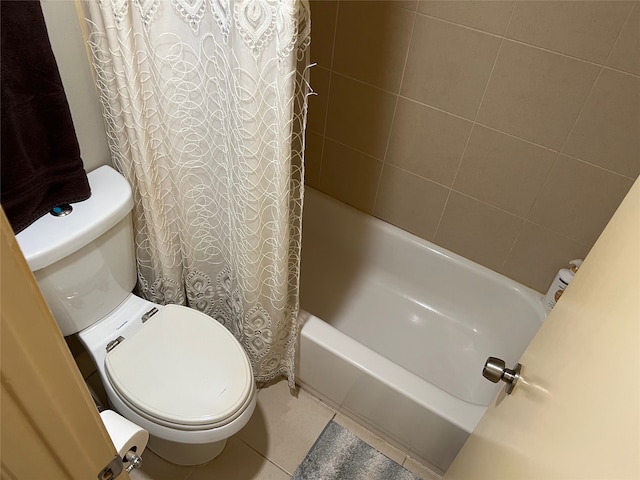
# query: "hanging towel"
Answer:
x=41 y=164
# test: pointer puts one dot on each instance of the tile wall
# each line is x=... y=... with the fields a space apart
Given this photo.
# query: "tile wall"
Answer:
x=505 y=131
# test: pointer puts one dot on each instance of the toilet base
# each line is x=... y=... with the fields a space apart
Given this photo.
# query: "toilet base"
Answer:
x=188 y=454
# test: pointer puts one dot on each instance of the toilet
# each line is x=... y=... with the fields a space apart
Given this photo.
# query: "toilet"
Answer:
x=172 y=370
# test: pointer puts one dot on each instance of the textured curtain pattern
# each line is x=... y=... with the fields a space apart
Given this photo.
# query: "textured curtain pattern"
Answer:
x=205 y=106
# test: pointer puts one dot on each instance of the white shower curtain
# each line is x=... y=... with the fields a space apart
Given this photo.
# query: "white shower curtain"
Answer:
x=205 y=107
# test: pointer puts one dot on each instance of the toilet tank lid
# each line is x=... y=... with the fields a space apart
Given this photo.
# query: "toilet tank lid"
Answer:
x=50 y=239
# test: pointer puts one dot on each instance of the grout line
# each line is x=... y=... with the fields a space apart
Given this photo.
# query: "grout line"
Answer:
x=395 y=109
x=438 y=109
x=593 y=86
x=263 y=456
x=633 y=179
x=504 y=36
x=541 y=188
x=513 y=244
x=354 y=149
x=326 y=112
x=461 y=25
x=566 y=139
x=474 y=123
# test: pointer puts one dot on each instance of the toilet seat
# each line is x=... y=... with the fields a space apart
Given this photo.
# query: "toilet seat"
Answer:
x=182 y=369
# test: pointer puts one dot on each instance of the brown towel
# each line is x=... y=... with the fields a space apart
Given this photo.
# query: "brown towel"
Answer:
x=41 y=164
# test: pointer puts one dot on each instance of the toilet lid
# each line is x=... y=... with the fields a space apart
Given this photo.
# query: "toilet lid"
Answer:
x=182 y=367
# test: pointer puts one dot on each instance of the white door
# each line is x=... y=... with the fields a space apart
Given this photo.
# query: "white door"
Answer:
x=575 y=414
x=49 y=426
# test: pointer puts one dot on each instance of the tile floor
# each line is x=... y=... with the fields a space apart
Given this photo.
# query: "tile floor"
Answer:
x=274 y=442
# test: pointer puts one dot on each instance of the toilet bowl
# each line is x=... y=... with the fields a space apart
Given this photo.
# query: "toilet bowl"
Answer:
x=172 y=370
x=177 y=374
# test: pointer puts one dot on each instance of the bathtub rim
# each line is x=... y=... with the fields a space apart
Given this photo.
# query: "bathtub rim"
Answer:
x=531 y=296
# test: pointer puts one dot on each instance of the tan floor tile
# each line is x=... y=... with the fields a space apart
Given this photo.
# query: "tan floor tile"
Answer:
x=283 y=428
x=420 y=470
x=366 y=436
x=239 y=462
x=156 y=468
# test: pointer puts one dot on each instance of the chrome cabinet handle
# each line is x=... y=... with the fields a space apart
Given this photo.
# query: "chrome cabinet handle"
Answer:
x=494 y=370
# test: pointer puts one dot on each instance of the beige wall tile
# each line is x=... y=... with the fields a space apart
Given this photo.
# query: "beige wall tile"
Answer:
x=313 y=158
x=585 y=29
x=488 y=15
x=407 y=4
x=350 y=176
x=626 y=52
x=578 y=199
x=410 y=202
x=283 y=428
x=323 y=28
x=538 y=254
x=448 y=66
x=317 y=113
x=477 y=231
x=372 y=39
x=503 y=171
x=607 y=132
x=535 y=94
x=359 y=115
x=426 y=141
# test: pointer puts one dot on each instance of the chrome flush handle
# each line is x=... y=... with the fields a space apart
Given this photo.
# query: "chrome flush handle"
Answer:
x=494 y=370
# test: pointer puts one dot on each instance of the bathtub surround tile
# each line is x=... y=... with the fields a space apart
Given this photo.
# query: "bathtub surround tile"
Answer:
x=625 y=54
x=407 y=4
x=578 y=199
x=323 y=29
x=535 y=94
x=360 y=115
x=489 y=15
x=239 y=461
x=156 y=468
x=534 y=79
x=503 y=171
x=283 y=427
x=372 y=38
x=477 y=231
x=448 y=66
x=313 y=158
x=317 y=114
x=426 y=141
x=349 y=176
x=410 y=202
x=584 y=29
x=538 y=254
x=339 y=454
x=607 y=132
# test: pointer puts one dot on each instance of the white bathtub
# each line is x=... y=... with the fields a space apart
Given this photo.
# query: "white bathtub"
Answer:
x=396 y=330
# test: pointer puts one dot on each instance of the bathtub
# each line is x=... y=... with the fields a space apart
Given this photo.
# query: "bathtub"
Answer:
x=396 y=330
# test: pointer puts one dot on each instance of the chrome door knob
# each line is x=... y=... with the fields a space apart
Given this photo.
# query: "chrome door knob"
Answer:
x=494 y=370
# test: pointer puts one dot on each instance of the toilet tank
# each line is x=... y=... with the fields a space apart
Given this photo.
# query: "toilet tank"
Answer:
x=84 y=262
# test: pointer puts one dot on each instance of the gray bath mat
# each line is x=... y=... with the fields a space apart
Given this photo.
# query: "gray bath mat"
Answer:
x=339 y=455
